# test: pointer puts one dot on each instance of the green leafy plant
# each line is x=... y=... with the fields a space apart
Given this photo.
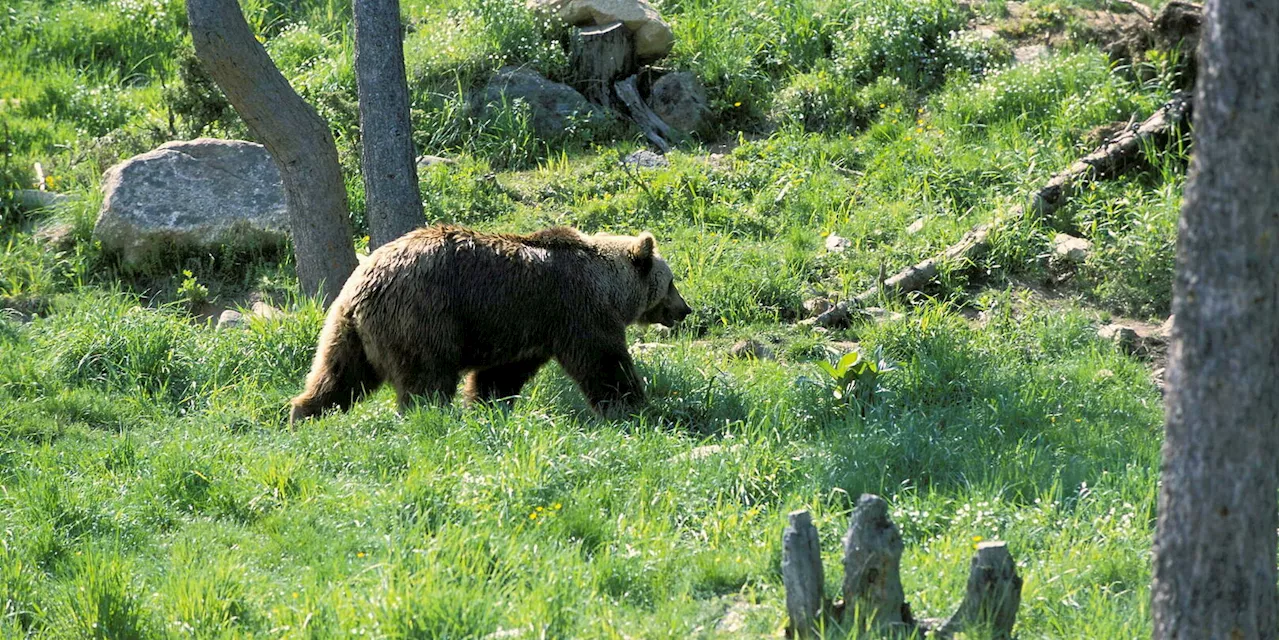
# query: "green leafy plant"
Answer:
x=191 y=290
x=853 y=379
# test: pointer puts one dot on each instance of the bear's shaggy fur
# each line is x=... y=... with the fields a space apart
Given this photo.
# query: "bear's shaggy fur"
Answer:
x=442 y=301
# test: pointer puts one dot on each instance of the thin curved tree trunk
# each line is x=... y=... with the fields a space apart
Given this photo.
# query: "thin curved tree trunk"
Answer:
x=298 y=139
x=1215 y=548
x=393 y=205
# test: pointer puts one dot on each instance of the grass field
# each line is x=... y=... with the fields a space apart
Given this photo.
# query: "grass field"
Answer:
x=150 y=486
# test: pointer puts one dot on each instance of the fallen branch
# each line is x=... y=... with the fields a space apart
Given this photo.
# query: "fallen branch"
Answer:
x=1138 y=8
x=1112 y=158
x=653 y=127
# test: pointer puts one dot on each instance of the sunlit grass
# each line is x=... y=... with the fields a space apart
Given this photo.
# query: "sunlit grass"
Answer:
x=150 y=485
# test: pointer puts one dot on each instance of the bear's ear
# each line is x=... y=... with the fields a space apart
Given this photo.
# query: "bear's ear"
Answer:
x=641 y=253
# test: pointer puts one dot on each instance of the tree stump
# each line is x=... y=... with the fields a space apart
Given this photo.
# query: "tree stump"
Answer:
x=598 y=56
x=873 y=597
x=802 y=573
x=991 y=596
x=872 y=560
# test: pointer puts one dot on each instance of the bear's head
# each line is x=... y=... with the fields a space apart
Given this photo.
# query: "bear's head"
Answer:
x=661 y=302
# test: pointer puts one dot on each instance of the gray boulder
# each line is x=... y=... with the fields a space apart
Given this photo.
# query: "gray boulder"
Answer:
x=201 y=194
x=679 y=99
x=553 y=106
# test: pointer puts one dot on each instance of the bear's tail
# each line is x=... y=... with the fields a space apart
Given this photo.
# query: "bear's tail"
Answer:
x=341 y=372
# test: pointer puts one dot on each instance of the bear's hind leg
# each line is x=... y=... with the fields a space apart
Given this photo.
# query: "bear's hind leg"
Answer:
x=341 y=373
x=502 y=382
x=607 y=377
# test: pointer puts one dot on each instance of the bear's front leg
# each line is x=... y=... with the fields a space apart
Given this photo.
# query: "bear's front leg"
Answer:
x=502 y=382
x=607 y=378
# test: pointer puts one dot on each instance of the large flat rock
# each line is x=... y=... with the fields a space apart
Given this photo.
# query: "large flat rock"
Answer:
x=201 y=194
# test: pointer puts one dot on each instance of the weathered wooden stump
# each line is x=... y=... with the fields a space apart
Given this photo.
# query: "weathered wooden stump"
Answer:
x=599 y=56
x=873 y=596
x=653 y=127
x=872 y=559
x=802 y=573
x=991 y=596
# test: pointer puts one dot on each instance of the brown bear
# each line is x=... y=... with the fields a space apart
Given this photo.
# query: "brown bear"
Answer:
x=442 y=301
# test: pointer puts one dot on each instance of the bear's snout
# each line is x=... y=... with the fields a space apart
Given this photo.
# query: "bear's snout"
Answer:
x=673 y=314
x=683 y=312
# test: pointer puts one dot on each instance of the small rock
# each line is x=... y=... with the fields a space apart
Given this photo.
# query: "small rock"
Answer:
x=842 y=347
x=751 y=349
x=646 y=159
x=1123 y=337
x=837 y=317
x=431 y=161
x=1069 y=249
x=880 y=314
x=1029 y=53
x=647 y=347
x=734 y=621
x=57 y=237
x=35 y=199
x=836 y=244
x=230 y=319
x=24 y=307
x=815 y=306
x=264 y=310
x=915 y=227
x=679 y=99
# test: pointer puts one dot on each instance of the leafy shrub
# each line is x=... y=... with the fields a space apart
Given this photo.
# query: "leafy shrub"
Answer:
x=195 y=99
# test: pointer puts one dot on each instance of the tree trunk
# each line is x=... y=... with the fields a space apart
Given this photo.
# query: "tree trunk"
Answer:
x=393 y=204
x=1215 y=545
x=298 y=139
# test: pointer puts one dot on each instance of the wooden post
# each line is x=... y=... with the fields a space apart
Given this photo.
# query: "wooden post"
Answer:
x=599 y=56
x=802 y=573
x=991 y=596
x=872 y=560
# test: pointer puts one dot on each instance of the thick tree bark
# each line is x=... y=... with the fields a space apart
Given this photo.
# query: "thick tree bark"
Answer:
x=393 y=204
x=298 y=139
x=1215 y=547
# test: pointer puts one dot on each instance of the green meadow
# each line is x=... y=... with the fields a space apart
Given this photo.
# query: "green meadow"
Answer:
x=150 y=486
